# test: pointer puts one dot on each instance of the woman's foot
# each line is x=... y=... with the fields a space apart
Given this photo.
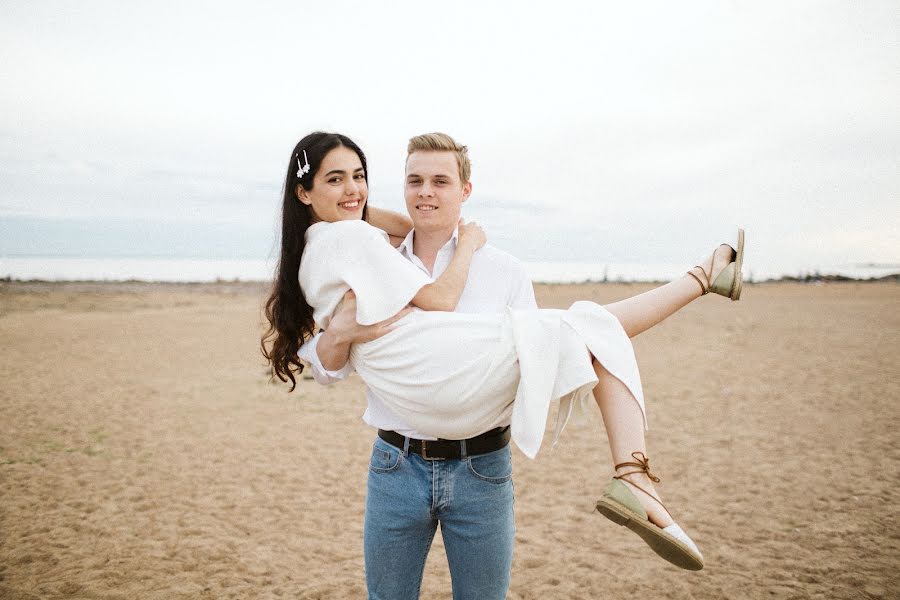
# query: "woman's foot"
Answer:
x=712 y=266
x=721 y=272
x=630 y=500
x=642 y=487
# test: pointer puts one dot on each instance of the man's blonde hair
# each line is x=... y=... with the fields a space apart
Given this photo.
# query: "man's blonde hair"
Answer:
x=441 y=142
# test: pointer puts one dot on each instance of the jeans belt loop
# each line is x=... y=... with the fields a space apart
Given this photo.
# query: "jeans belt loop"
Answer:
x=462 y=450
x=406 y=446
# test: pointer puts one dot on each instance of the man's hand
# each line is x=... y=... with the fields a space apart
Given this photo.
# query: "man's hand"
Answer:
x=344 y=327
x=343 y=331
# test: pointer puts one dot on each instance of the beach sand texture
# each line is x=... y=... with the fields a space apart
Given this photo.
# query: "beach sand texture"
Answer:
x=144 y=453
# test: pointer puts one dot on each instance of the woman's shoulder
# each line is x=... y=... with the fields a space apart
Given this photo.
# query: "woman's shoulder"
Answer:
x=348 y=227
x=353 y=227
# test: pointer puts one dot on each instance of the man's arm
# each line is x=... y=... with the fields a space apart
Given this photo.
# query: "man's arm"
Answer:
x=333 y=345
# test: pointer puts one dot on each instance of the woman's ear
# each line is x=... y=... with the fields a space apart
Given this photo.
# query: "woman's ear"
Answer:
x=302 y=195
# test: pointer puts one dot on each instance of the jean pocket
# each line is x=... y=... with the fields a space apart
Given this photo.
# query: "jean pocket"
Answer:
x=494 y=467
x=385 y=458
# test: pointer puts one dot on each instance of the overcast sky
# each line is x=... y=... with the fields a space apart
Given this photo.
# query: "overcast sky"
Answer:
x=599 y=131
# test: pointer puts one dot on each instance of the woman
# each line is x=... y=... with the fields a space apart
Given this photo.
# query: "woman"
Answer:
x=534 y=356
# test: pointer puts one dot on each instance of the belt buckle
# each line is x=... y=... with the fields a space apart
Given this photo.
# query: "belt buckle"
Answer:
x=425 y=452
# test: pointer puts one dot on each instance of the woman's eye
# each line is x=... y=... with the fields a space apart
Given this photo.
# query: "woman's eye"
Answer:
x=334 y=180
x=360 y=176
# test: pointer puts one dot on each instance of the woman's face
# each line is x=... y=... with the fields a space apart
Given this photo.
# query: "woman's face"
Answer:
x=339 y=190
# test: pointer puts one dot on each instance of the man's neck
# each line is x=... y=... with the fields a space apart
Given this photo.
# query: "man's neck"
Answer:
x=426 y=245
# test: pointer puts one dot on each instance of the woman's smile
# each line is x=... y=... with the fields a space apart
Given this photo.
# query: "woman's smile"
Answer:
x=339 y=190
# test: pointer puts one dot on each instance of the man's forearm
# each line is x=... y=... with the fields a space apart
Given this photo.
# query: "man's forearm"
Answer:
x=333 y=351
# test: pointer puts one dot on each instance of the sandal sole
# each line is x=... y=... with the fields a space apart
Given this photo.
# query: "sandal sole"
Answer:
x=666 y=546
x=738 y=268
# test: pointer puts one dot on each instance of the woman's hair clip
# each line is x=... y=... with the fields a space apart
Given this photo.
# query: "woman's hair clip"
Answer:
x=304 y=169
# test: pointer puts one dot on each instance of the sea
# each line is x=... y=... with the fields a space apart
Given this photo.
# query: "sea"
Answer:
x=55 y=268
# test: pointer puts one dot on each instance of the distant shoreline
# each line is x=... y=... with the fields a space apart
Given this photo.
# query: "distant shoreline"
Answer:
x=219 y=284
x=212 y=270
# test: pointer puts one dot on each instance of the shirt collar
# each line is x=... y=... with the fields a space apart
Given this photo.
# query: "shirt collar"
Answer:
x=407 y=246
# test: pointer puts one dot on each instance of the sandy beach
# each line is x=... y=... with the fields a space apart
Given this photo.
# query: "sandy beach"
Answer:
x=145 y=453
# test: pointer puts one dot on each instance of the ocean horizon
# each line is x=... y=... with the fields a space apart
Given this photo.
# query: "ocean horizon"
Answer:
x=204 y=270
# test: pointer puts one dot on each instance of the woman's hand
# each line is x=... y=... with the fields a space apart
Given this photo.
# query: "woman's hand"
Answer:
x=471 y=235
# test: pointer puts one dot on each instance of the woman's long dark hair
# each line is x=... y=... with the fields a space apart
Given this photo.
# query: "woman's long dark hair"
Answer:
x=290 y=315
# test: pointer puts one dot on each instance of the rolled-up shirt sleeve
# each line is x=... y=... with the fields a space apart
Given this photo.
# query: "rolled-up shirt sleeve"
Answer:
x=320 y=374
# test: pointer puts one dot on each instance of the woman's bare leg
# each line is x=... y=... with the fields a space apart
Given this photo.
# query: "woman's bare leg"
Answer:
x=639 y=313
x=624 y=424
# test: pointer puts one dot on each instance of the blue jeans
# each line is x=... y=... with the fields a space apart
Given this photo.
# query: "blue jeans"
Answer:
x=472 y=499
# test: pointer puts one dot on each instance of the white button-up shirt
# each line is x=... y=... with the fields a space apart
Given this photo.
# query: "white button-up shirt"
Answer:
x=496 y=281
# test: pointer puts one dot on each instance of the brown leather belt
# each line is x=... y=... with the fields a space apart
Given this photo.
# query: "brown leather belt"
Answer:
x=444 y=449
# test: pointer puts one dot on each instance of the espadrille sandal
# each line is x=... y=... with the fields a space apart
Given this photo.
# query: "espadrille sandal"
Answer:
x=730 y=281
x=619 y=505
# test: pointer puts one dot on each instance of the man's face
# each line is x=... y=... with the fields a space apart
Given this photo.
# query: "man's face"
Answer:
x=434 y=193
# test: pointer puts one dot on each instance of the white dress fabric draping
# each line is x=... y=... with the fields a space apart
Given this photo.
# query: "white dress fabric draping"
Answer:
x=455 y=375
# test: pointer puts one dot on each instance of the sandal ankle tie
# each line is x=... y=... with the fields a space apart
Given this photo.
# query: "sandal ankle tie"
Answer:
x=704 y=289
x=642 y=465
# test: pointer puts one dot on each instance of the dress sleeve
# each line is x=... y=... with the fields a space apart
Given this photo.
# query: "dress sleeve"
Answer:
x=384 y=282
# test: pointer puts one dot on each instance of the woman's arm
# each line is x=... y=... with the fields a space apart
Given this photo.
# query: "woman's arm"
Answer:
x=392 y=223
x=333 y=347
x=444 y=293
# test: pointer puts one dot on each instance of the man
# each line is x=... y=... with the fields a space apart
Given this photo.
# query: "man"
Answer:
x=414 y=481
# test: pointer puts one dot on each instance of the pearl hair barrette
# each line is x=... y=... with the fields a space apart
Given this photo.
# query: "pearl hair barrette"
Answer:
x=304 y=169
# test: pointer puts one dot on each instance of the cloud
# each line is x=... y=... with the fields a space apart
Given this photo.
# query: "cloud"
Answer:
x=639 y=131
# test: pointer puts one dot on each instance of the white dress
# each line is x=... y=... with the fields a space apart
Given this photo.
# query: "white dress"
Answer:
x=452 y=375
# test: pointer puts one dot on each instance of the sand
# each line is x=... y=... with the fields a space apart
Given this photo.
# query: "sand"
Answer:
x=144 y=453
